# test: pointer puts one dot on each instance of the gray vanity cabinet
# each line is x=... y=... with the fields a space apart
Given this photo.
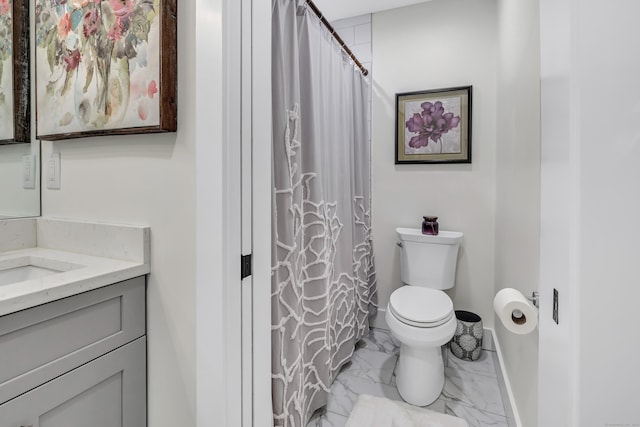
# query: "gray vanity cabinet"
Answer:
x=76 y=362
x=107 y=392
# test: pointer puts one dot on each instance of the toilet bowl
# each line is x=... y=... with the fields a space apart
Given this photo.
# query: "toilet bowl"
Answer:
x=420 y=371
x=420 y=315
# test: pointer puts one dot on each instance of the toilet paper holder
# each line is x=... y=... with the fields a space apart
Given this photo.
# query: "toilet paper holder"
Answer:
x=535 y=298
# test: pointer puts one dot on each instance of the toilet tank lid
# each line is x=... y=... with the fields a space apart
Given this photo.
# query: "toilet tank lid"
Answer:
x=443 y=237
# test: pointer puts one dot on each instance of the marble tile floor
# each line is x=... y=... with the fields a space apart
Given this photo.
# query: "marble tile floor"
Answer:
x=471 y=389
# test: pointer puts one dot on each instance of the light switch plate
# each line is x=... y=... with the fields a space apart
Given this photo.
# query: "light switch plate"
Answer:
x=53 y=171
x=29 y=171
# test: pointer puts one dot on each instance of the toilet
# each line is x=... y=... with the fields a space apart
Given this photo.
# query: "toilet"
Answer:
x=420 y=315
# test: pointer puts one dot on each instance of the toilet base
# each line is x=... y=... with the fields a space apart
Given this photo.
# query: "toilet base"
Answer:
x=420 y=374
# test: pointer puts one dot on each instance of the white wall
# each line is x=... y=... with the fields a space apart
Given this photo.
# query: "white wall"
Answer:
x=151 y=180
x=16 y=201
x=337 y=10
x=518 y=188
x=590 y=175
x=438 y=44
x=356 y=33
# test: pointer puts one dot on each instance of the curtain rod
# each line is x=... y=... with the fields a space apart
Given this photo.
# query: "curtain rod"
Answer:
x=335 y=35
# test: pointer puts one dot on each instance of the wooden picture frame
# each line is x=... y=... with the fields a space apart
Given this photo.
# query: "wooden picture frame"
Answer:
x=15 y=90
x=434 y=126
x=105 y=67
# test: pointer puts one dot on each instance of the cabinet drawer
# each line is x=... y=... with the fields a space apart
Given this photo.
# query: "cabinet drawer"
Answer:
x=107 y=392
x=44 y=342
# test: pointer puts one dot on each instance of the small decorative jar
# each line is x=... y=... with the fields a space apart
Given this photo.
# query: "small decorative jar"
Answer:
x=430 y=225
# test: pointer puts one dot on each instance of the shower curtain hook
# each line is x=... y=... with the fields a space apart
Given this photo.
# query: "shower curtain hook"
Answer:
x=302 y=7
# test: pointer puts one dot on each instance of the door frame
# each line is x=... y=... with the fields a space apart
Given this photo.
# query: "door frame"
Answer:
x=233 y=212
x=218 y=372
x=261 y=210
x=558 y=360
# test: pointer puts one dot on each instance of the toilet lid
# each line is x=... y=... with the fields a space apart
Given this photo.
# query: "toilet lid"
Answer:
x=422 y=307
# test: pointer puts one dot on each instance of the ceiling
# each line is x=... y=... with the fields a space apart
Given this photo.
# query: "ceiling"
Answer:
x=339 y=9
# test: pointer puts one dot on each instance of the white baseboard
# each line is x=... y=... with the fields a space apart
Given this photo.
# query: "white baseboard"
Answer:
x=505 y=384
x=379 y=321
x=487 y=340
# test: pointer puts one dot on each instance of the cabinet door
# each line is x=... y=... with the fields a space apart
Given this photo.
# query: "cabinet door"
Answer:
x=107 y=392
x=44 y=342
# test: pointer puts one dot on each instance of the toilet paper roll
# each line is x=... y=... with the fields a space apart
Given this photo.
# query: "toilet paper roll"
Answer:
x=516 y=313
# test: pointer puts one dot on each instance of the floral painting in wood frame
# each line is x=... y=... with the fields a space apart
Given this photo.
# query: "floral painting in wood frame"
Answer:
x=105 y=67
x=15 y=86
x=434 y=126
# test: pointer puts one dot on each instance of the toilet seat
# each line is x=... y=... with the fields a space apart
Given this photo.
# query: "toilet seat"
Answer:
x=421 y=307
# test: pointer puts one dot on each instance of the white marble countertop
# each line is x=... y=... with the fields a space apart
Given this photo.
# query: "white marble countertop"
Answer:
x=85 y=255
x=80 y=273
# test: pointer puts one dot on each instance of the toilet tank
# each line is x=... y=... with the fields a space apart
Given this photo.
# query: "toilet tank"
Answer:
x=428 y=261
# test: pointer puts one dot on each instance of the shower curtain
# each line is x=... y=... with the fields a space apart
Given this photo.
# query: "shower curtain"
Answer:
x=323 y=278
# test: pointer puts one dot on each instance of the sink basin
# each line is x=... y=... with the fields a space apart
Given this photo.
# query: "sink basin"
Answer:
x=20 y=274
x=29 y=268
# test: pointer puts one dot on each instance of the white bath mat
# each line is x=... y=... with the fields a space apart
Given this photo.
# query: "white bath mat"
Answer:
x=370 y=411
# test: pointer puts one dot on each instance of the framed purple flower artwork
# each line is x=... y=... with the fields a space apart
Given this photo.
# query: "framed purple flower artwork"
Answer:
x=15 y=93
x=105 y=67
x=434 y=126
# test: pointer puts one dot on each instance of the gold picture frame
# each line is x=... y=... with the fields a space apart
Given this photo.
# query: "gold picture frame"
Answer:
x=434 y=126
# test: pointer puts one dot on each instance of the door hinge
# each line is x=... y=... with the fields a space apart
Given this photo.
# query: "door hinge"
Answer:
x=245 y=266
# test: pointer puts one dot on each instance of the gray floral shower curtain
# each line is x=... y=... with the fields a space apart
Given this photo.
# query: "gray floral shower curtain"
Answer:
x=323 y=278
